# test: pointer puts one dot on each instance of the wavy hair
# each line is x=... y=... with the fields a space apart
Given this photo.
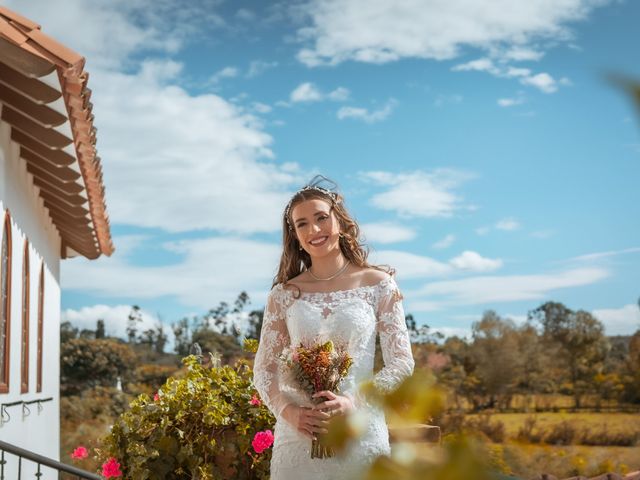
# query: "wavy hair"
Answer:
x=293 y=260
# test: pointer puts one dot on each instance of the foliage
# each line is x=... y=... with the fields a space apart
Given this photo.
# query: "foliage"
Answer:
x=201 y=426
x=580 y=338
x=87 y=363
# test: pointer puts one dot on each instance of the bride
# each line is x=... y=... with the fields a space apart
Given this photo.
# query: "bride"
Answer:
x=326 y=290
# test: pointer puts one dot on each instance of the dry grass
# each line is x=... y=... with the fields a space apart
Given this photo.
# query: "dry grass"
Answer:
x=528 y=461
x=611 y=422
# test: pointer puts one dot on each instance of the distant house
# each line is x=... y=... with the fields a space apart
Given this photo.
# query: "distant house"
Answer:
x=52 y=207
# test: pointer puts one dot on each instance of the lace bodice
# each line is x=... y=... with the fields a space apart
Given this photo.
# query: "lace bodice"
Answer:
x=349 y=317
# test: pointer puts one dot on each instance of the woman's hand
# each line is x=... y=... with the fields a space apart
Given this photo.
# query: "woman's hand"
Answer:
x=306 y=420
x=335 y=404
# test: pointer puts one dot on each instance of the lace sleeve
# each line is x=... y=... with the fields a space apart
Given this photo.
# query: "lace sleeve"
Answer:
x=274 y=337
x=394 y=338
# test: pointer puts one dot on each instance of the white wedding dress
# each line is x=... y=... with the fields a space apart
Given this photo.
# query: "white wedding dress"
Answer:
x=347 y=317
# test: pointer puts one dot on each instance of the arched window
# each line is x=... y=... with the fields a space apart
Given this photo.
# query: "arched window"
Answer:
x=5 y=300
x=24 y=356
x=40 y=327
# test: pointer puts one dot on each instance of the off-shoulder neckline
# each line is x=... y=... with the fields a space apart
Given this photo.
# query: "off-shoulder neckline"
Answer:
x=334 y=292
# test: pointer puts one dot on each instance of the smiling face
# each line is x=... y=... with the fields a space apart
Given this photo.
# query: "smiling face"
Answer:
x=316 y=227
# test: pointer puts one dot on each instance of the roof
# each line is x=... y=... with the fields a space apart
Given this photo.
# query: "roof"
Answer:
x=45 y=100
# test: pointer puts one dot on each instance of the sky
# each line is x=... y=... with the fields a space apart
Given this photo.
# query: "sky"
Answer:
x=480 y=145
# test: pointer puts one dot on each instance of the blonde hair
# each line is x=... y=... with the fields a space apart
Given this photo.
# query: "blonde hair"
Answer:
x=293 y=260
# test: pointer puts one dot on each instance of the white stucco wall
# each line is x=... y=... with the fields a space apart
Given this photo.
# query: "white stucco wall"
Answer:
x=40 y=430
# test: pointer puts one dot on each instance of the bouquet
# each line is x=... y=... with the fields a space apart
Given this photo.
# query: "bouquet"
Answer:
x=316 y=368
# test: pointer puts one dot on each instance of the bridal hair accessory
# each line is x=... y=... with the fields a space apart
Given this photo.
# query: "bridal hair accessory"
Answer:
x=313 y=185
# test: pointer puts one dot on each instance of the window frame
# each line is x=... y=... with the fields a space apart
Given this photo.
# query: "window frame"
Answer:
x=5 y=307
x=24 y=331
x=40 y=329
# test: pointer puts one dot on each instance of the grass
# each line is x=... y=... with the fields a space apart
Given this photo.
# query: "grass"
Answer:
x=529 y=461
x=612 y=422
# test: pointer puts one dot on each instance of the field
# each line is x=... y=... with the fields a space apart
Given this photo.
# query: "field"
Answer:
x=524 y=459
x=611 y=422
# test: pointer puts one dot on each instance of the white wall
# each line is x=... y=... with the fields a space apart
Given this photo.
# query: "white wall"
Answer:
x=39 y=431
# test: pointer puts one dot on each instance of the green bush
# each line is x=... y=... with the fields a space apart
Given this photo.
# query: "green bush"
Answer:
x=199 y=426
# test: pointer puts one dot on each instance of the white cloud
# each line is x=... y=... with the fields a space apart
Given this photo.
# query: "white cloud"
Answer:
x=520 y=54
x=600 y=255
x=445 y=242
x=172 y=160
x=419 y=194
x=542 y=81
x=258 y=67
x=379 y=31
x=510 y=102
x=226 y=72
x=619 y=321
x=206 y=271
x=261 y=107
x=386 y=232
x=410 y=265
x=517 y=72
x=460 y=332
x=212 y=156
x=508 y=224
x=108 y=33
x=508 y=288
x=482 y=230
x=308 y=92
x=340 y=94
x=365 y=115
x=305 y=92
x=474 y=262
x=479 y=65
x=115 y=319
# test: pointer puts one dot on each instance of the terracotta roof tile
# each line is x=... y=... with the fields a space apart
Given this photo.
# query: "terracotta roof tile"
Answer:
x=27 y=55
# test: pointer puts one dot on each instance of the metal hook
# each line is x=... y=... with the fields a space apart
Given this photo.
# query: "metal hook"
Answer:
x=3 y=413
x=25 y=410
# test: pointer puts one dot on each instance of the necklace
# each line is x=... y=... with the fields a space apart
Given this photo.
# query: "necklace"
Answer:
x=338 y=273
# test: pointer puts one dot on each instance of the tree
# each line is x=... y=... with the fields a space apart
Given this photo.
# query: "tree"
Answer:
x=67 y=332
x=580 y=336
x=134 y=318
x=86 y=363
x=100 y=329
x=256 y=317
x=496 y=353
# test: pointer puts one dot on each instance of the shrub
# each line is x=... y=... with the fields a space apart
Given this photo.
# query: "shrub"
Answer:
x=199 y=426
x=562 y=433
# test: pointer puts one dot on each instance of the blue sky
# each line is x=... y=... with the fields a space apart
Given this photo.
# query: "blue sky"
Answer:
x=479 y=145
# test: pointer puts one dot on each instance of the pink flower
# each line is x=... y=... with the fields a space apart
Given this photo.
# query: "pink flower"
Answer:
x=80 y=453
x=156 y=397
x=262 y=441
x=111 y=468
x=255 y=401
